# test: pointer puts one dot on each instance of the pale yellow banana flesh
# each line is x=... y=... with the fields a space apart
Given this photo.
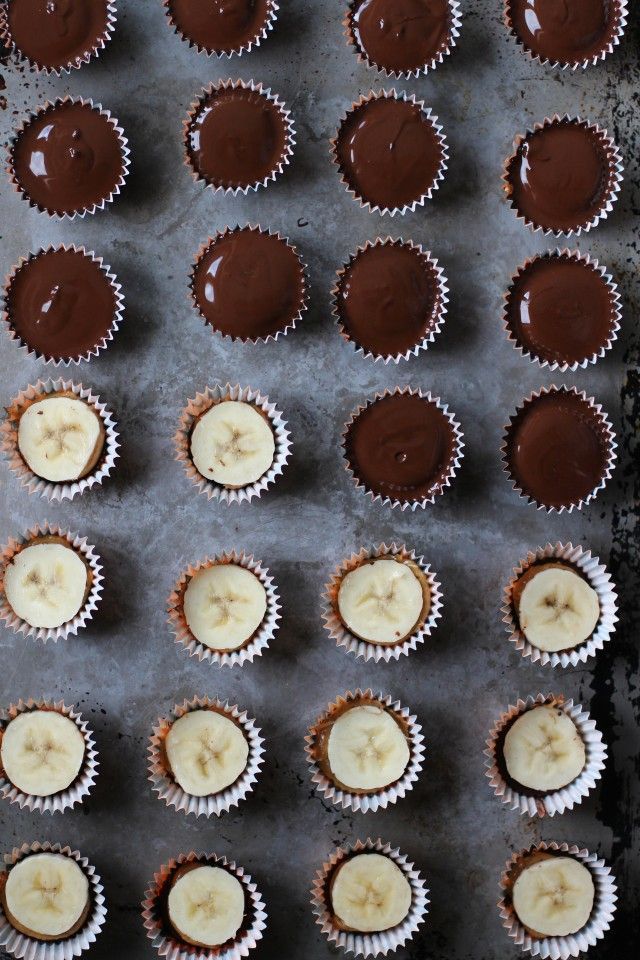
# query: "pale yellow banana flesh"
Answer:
x=381 y=601
x=46 y=893
x=224 y=605
x=42 y=752
x=543 y=749
x=206 y=906
x=232 y=444
x=367 y=750
x=45 y=584
x=370 y=893
x=206 y=752
x=558 y=610
x=58 y=436
x=554 y=897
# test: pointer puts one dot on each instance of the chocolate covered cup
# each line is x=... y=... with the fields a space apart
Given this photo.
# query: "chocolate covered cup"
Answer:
x=222 y=29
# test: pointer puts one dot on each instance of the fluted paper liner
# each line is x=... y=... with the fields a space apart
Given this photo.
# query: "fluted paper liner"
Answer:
x=369 y=944
x=20 y=945
x=533 y=803
x=431 y=263
x=163 y=781
x=81 y=786
x=247 y=47
x=124 y=154
x=597 y=576
x=351 y=33
x=63 y=490
x=615 y=306
x=169 y=945
x=442 y=140
x=561 y=948
x=454 y=464
x=613 y=159
x=86 y=612
x=289 y=140
x=203 y=402
x=258 y=642
x=376 y=799
x=364 y=648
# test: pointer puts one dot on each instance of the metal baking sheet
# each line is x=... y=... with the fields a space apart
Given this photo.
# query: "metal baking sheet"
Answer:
x=147 y=521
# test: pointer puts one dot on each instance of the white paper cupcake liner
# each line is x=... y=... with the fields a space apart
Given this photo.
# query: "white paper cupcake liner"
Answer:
x=363 y=648
x=437 y=128
x=555 y=801
x=18 y=944
x=381 y=798
x=49 y=490
x=203 y=402
x=561 y=948
x=598 y=578
x=161 y=777
x=247 y=47
x=168 y=945
x=86 y=612
x=369 y=944
x=81 y=786
x=263 y=635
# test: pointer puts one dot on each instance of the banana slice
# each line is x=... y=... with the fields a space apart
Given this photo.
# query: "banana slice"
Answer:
x=60 y=438
x=206 y=906
x=232 y=444
x=367 y=750
x=543 y=749
x=554 y=897
x=206 y=752
x=224 y=605
x=558 y=609
x=45 y=584
x=46 y=896
x=381 y=601
x=41 y=752
x=370 y=893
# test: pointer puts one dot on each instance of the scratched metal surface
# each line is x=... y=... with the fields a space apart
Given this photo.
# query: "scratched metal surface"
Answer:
x=147 y=522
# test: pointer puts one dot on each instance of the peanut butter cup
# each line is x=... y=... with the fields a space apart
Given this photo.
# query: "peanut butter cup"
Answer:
x=574 y=33
x=57 y=35
x=223 y=28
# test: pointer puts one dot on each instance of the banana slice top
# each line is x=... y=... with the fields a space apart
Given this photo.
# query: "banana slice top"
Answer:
x=370 y=893
x=558 y=609
x=543 y=749
x=233 y=444
x=206 y=752
x=554 y=897
x=46 y=895
x=41 y=752
x=45 y=584
x=224 y=605
x=367 y=750
x=60 y=438
x=206 y=906
x=381 y=601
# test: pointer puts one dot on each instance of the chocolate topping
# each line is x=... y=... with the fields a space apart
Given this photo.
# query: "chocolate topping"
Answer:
x=557 y=451
x=68 y=157
x=567 y=32
x=248 y=284
x=401 y=35
x=389 y=152
x=61 y=304
x=57 y=33
x=388 y=298
x=223 y=27
x=401 y=446
x=560 y=309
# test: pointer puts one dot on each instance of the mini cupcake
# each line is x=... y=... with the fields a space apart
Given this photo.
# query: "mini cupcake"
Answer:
x=369 y=899
x=205 y=757
x=85 y=147
x=390 y=299
x=559 y=449
x=222 y=29
x=228 y=929
x=390 y=151
x=543 y=873
x=48 y=760
x=51 y=902
x=403 y=38
x=562 y=310
x=564 y=176
x=50 y=583
x=225 y=610
x=238 y=136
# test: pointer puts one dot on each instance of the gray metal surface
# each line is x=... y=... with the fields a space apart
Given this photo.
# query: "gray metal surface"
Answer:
x=148 y=523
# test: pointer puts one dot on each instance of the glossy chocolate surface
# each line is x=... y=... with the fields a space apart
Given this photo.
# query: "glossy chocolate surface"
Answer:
x=56 y=33
x=389 y=152
x=568 y=31
x=68 y=158
x=248 y=284
x=221 y=26
x=557 y=451
x=401 y=447
x=388 y=298
x=401 y=35
x=61 y=304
